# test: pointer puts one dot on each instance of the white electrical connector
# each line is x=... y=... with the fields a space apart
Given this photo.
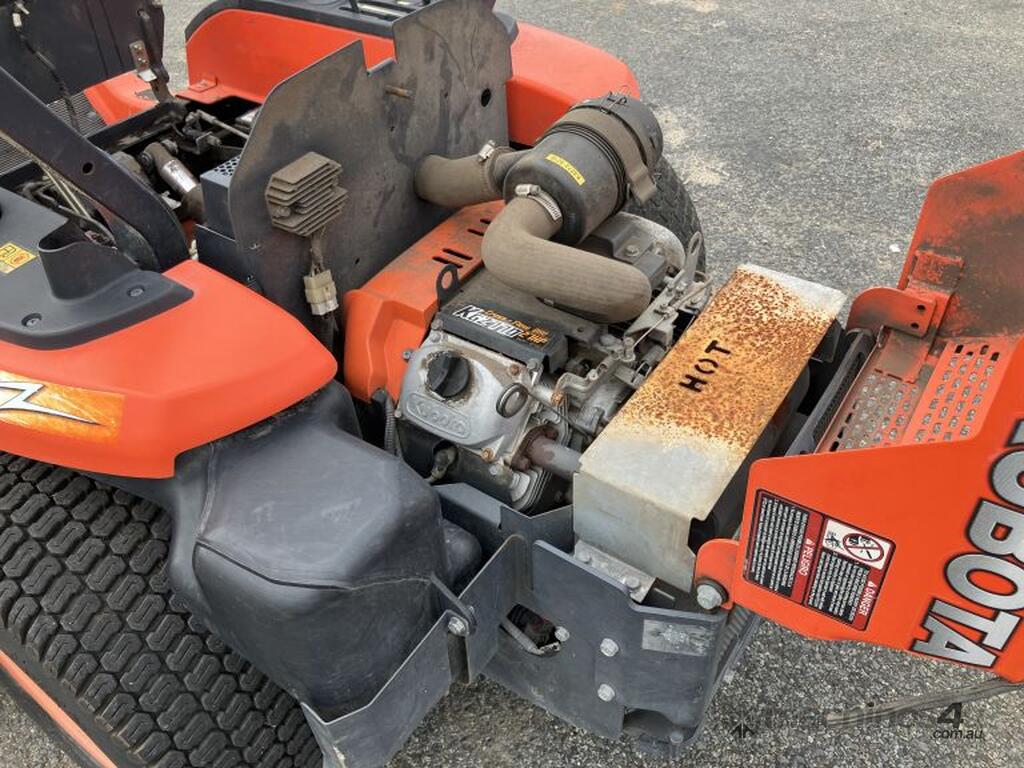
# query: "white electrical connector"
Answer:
x=321 y=292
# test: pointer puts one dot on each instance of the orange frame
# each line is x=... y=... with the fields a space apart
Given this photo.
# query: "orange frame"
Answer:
x=550 y=72
x=947 y=495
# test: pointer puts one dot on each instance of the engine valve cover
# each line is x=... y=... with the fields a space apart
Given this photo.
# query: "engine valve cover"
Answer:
x=669 y=455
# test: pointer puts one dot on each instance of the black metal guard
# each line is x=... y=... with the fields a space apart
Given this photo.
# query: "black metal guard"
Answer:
x=29 y=124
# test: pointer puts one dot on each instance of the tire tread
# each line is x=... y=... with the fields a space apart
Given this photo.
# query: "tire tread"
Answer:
x=84 y=594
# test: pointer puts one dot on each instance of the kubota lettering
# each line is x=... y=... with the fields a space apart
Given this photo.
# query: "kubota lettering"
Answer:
x=997 y=531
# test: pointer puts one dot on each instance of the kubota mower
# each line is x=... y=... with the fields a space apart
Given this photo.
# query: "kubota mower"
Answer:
x=384 y=357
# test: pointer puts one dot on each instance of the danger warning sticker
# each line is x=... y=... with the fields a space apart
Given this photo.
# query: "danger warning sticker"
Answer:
x=815 y=560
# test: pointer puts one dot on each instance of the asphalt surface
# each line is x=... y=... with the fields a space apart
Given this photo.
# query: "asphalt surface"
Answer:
x=807 y=133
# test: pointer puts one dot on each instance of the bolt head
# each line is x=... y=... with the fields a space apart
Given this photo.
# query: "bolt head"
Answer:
x=458 y=626
x=562 y=634
x=631 y=582
x=709 y=596
x=605 y=692
x=584 y=557
x=407 y=354
x=609 y=647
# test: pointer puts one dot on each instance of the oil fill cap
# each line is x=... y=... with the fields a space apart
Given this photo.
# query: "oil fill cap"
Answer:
x=448 y=374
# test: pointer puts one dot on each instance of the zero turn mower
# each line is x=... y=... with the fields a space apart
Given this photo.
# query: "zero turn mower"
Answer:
x=383 y=357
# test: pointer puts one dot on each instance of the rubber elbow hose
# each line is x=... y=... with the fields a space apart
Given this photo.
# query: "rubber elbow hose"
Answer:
x=517 y=249
x=461 y=181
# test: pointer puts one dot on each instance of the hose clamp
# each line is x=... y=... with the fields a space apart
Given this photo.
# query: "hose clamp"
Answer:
x=547 y=202
x=486 y=151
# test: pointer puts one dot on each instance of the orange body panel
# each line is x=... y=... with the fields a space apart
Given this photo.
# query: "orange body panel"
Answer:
x=246 y=53
x=120 y=97
x=922 y=466
x=551 y=73
x=131 y=402
x=393 y=311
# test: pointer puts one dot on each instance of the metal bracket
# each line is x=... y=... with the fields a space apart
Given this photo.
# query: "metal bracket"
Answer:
x=447 y=284
x=146 y=55
x=906 y=311
x=636 y=581
x=460 y=618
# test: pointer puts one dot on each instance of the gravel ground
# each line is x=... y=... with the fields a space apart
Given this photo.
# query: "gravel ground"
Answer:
x=807 y=133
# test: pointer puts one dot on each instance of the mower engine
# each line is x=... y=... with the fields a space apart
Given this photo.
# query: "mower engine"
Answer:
x=573 y=368
x=508 y=390
x=524 y=366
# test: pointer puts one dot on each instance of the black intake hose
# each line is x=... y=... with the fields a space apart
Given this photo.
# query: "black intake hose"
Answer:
x=517 y=249
x=462 y=181
x=581 y=172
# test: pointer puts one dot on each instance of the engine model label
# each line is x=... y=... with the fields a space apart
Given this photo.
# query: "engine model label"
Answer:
x=13 y=256
x=815 y=560
x=499 y=324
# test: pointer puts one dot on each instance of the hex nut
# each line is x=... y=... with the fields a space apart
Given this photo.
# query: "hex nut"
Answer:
x=710 y=595
x=458 y=626
x=609 y=647
x=562 y=634
x=605 y=692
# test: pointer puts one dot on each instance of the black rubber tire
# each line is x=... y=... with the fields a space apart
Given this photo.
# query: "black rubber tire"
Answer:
x=672 y=207
x=87 y=612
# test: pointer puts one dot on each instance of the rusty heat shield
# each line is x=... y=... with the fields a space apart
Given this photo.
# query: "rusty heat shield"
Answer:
x=443 y=93
x=680 y=447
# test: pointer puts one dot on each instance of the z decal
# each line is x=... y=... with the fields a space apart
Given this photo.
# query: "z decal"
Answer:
x=22 y=401
x=57 y=409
